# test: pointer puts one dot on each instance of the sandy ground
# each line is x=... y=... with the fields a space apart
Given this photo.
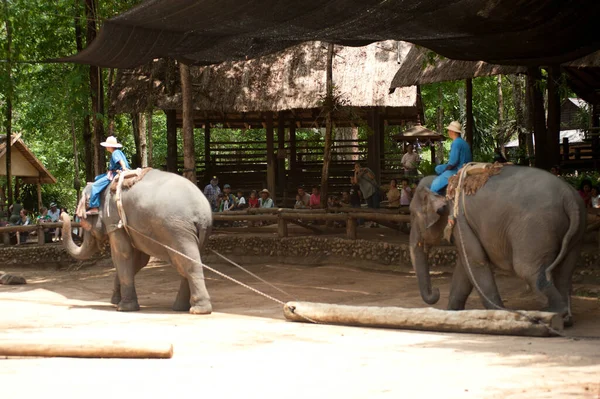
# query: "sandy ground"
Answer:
x=246 y=348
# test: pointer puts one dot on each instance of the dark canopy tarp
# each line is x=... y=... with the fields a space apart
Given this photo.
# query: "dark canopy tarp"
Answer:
x=212 y=31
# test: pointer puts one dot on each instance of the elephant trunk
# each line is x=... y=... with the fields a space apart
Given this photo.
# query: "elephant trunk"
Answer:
x=83 y=252
x=421 y=267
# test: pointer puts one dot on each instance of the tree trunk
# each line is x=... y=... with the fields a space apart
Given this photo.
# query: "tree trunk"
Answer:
x=88 y=149
x=110 y=114
x=76 y=181
x=537 y=116
x=500 y=101
x=328 y=127
x=96 y=92
x=189 y=153
x=519 y=118
x=142 y=140
x=135 y=126
x=440 y=113
x=149 y=140
x=8 y=100
x=469 y=113
x=553 y=128
x=171 y=140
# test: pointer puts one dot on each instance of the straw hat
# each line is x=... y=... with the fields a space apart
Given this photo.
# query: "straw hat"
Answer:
x=264 y=190
x=455 y=127
x=111 y=141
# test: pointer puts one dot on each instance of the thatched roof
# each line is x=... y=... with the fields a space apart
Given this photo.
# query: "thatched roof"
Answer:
x=293 y=79
x=419 y=66
x=23 y=163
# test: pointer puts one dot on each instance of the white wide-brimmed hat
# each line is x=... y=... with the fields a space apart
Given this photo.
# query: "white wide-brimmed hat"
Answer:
x=455 y=127
x=264 y=190
x=111 y=141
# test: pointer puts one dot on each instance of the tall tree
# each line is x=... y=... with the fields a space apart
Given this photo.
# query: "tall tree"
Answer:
x=189 y=152
x=9 y=102
x=96 y=92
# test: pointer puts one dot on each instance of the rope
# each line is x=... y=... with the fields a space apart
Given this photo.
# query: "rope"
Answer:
x=223 y=274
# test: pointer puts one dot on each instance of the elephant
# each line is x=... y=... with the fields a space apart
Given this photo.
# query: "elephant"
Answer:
x=524 y=220
x=168 y=209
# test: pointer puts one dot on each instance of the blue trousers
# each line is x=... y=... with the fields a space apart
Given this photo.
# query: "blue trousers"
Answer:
x=99 y=185
x=440 y=182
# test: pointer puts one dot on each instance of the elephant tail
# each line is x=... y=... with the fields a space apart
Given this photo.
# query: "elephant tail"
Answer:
x=203 y=232
x=576 y=218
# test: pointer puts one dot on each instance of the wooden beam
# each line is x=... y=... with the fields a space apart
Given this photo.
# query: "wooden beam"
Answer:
x=374 y=144
x=271 y=178
x=328 y=108
x=469 y=112
x=553 y=130
x=537 y=117
x=208 y=171
x=293 y=160
x=281 y=155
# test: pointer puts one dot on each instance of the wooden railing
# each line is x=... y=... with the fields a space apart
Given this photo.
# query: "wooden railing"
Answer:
x=38 y=228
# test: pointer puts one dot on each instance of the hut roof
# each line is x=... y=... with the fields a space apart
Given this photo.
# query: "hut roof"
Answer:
x=293 y=79
x=419 y=66
x=23 y=163
x=584 y=77
x=533 y=32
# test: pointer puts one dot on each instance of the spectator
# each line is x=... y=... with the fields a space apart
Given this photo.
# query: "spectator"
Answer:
x=229 y=198
x=253 y=201
x=333 y=202
x=54 y=212
x=44 y=217
x=355 y=194
x=299 y=204
x=345 y=201
x=315 y=198
x=498 y=157
x=405 y=193
x=14 y=210
x=212 y=191
x=585 y=190
x=23 y=221
x=304 y=197
x=393 y=195
x=410 y=161
x=555 y=170
x=369 y=187
x=241 y=201
x=265 y=200
x=595 y=201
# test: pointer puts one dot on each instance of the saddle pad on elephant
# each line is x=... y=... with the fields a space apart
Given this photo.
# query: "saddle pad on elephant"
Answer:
x=129 y=179
x=475 y=177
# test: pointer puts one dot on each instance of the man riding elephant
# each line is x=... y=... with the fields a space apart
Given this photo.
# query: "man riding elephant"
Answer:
x=460 y=154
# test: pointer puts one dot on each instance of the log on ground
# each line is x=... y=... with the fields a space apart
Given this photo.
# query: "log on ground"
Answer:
x=85 y=349
x=498 y=322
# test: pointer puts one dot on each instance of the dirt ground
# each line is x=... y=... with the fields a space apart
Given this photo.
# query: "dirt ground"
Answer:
x=247 y=349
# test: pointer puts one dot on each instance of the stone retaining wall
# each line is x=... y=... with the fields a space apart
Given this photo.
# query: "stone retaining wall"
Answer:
x=309 y=250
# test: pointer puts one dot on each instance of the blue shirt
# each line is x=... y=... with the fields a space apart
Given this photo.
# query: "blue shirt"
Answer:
x=460 y=154
x=115 y=159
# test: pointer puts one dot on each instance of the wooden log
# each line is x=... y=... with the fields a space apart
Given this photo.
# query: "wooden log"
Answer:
x=87 y=349
x=282 y=229
x=315 y=216
x=225 y=217
x=314 y=229
x=499 y=322
x=351 y=228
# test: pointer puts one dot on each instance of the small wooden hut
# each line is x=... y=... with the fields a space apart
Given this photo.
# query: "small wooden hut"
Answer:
x=24 y=165
x=280 y=92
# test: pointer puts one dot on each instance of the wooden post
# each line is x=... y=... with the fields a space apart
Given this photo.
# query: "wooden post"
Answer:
x=171 y=140
x=40 y=234
x=374 y=145
x=39 y=194
x=76 y=180
x=328 y=127
x=143 y=140
x=469 y=112
x=282 y=230
x=281 y=155
x=208 y=169
x=565 y=144
x=189 y=153
x=432 y=148
x=537 y=116
x=553 y=131
x=293 y=160
x=351 y=228
x=270 y=155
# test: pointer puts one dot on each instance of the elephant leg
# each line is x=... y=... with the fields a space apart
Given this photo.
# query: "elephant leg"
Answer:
x=477 y=265
x=460 y=288
x=558 y=291
x=140 y=260
x=122 y=253
x=182 y=302
x=191 y=269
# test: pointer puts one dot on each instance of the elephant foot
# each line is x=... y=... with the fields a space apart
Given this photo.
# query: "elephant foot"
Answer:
x=130 y=306
x=181 y=306
x=116 y=298
x=201 y=308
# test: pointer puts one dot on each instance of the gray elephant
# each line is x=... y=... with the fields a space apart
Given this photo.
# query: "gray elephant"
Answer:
x=523 y=219
x=165 y=207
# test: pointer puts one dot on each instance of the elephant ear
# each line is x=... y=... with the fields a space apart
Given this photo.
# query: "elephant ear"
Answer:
x=435 y=206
